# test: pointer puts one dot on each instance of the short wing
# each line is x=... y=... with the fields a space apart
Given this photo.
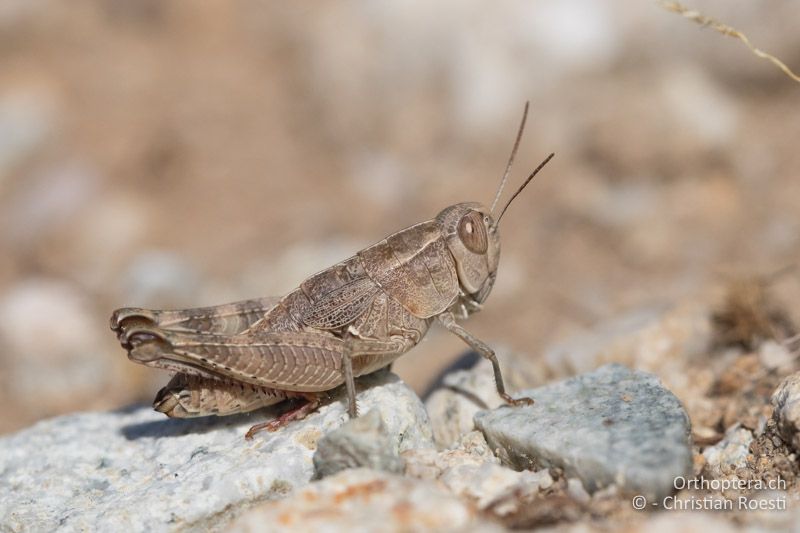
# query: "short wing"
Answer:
x=341 y=306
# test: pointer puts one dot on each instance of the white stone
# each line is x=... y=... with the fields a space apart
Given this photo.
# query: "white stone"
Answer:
x=135 y=470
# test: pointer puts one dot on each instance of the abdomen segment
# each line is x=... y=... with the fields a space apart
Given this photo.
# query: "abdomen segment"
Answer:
x=189 y=396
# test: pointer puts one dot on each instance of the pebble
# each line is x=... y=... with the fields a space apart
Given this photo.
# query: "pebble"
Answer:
x=361 y=442
x=729 y=454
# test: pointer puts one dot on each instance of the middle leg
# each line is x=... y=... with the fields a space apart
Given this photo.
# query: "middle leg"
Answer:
x=349 y=377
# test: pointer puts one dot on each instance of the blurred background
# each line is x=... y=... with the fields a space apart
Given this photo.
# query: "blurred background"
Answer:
x=179 y=154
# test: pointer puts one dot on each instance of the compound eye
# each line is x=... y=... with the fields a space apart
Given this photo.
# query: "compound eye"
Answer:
x=472 y=232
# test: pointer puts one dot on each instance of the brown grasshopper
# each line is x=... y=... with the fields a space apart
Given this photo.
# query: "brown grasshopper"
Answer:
x=351 y=319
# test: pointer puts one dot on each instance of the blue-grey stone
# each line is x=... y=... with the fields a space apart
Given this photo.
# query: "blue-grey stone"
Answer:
x=609 y=426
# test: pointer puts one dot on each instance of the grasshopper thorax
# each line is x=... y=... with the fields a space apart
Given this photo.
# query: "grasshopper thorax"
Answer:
x=471 y=236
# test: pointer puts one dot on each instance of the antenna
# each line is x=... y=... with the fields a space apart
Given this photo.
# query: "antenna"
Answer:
x=527 y=181
x=511 y=159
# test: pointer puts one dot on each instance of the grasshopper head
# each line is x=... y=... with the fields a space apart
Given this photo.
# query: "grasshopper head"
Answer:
x=472 y=234
x=472 y=238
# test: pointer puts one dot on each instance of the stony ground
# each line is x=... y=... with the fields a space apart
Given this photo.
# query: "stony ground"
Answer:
x=715 y=418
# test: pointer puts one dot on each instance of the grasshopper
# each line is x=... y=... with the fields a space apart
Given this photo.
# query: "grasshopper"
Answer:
x=351 y=319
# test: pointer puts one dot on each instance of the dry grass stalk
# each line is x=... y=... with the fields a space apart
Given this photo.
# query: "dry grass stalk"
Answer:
x=696 y=16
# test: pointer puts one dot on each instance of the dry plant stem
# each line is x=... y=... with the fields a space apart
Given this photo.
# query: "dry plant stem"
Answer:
x=696 y=16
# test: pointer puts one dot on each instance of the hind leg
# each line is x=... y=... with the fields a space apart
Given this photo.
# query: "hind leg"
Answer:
x=312 y=402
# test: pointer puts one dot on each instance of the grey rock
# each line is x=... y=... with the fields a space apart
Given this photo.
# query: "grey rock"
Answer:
x=136 y=470
x=786 y=403
x=610 y=426
x=363 y=441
